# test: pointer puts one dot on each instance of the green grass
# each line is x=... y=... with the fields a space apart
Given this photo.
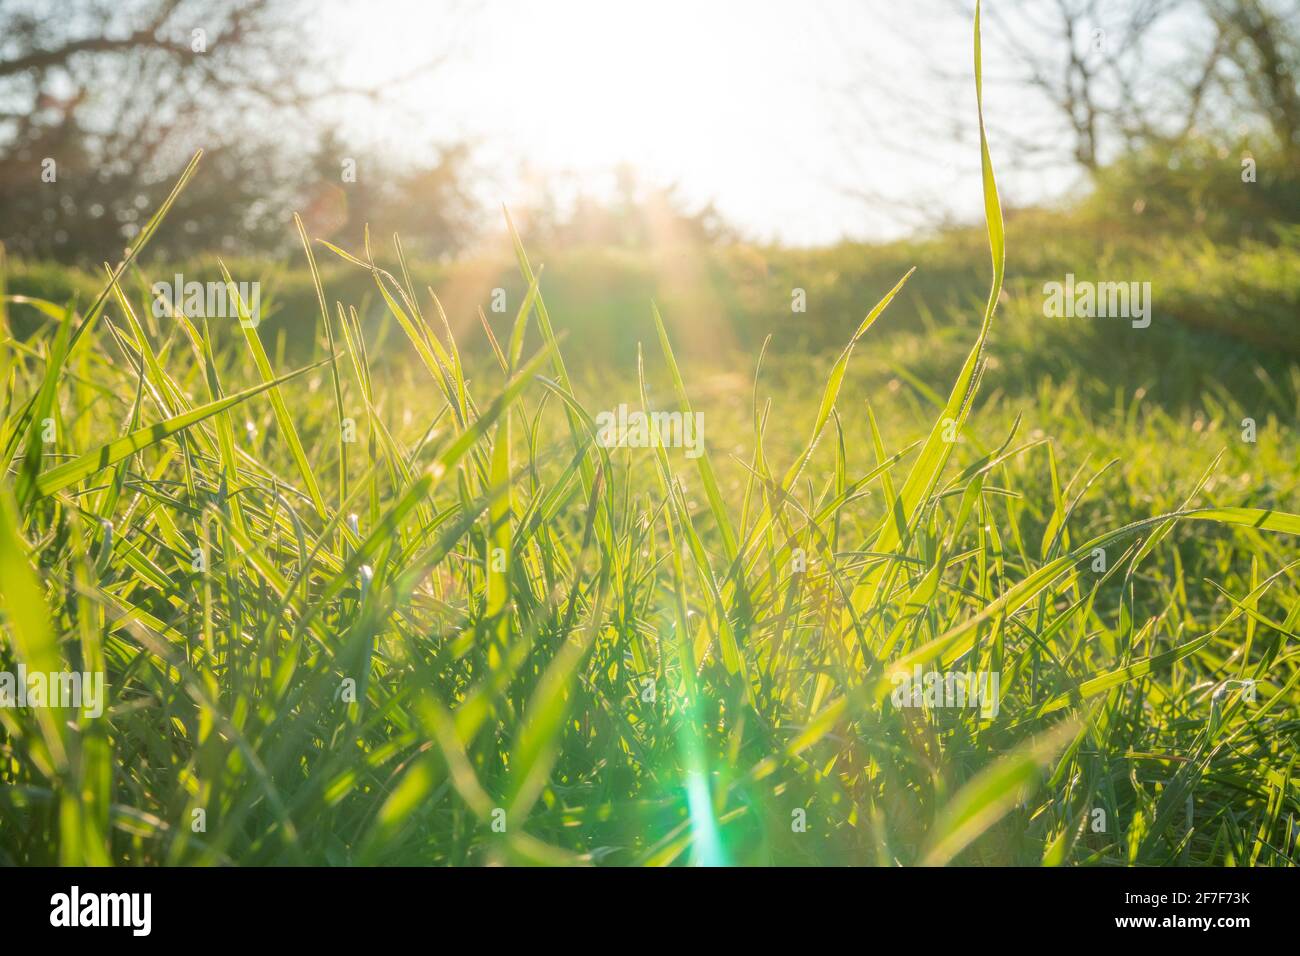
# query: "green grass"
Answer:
x=475 y=635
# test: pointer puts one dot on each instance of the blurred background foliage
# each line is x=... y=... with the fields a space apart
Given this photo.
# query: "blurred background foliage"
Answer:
x=115 y=93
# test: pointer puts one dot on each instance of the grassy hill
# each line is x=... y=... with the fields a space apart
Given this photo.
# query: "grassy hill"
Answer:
x=370 y=589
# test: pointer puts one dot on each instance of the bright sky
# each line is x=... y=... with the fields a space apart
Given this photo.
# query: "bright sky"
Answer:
x=773 y=109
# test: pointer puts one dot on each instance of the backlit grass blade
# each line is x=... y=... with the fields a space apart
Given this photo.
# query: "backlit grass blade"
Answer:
x=68 y=474
x=992 y=793
x=958 y=638
x=836 y=379
x=27 y=617
x=929 y=465
x=703 y=463
x=283 y=420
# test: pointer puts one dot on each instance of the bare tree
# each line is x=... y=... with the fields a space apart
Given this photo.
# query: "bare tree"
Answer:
x=1088 y=81
x=101 y=101
x=1091 y=63
x=1263 y=44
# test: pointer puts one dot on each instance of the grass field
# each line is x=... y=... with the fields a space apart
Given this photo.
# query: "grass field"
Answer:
x=383 y=596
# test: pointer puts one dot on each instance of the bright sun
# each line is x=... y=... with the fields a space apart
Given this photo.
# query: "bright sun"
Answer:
x=715 y=97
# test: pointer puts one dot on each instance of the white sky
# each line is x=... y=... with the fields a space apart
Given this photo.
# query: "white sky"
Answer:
x=772 y=109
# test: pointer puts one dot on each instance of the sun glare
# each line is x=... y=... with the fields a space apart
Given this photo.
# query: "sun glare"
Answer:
x=719 y=99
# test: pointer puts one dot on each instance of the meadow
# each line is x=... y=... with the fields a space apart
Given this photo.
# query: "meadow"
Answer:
x=368 y=588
